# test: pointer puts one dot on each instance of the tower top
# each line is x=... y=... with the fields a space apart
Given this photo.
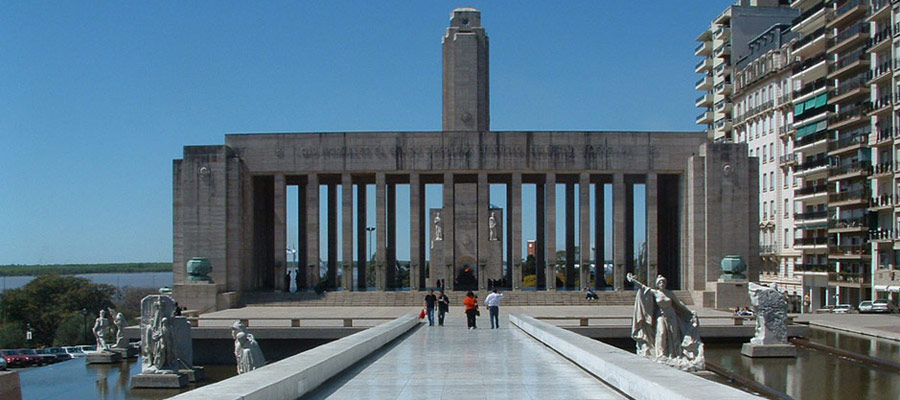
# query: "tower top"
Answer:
x=466 y=91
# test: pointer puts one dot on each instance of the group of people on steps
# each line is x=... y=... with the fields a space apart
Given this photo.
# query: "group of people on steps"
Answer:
x=440 y=303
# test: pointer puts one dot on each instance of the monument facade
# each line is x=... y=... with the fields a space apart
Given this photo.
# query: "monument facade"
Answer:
x=230 y=200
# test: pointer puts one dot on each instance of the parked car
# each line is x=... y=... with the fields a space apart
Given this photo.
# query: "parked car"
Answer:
x=865 y=306
x=2 y=364
x=88 y=349
x=39 y=359
x=16 y=360
x=73 y=351
x=56 y=352
x=883 y=306
x=843 y=309
x=825 y=310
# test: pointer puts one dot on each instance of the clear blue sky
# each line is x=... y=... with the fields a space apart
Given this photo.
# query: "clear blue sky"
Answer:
x=98 y=98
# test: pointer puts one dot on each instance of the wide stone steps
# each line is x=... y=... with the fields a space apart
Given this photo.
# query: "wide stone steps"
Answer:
x=388 y=299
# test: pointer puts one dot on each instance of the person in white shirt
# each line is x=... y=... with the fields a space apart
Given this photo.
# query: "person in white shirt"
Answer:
x=493 y=304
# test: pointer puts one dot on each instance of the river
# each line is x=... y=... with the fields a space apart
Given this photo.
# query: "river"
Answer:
x=119 y=280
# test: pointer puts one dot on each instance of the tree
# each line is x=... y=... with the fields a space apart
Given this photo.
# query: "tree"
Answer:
x=49 y=299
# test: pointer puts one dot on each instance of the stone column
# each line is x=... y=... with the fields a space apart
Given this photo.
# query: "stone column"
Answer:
x=619 y=221
x=448 y=246
x=570 y=235
x=416 y=263
x=540 y=240
x=515 y=226
x=600 y=234
x=652 y=226
x=362 y=255
x=380 y=232
x=280 y=236
x=550 y=233
x=332 y=237
x=347 y=232
x=312 y=234
x=482 y=228
x=584 y=215
x=390 y=264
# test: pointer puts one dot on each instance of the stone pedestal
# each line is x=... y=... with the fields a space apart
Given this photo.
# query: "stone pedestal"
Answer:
x=125 y=352
x=159 y=381
x=731 y=294
x=195 y=374
x=9 y=385
x=768 y=350
x=200 y=296
x=104 y=357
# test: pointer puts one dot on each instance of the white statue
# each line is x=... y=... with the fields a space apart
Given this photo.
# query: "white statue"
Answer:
x=292 y=275
x=438 y=229
x=101 y=330
x=120 y=323
x=664 y=328
x=771 y=309
x=492 y=225
x=247 y=353
x=158 y=345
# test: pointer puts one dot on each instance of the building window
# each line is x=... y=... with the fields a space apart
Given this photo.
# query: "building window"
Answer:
x=785 y=208
x=786 y=237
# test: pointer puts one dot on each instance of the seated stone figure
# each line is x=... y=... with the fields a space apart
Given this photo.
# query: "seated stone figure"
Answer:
x=664 y=329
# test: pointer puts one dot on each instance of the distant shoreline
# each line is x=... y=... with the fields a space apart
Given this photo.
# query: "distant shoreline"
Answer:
x=77 y=269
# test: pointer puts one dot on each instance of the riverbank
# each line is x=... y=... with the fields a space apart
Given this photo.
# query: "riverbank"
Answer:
x=76 y=269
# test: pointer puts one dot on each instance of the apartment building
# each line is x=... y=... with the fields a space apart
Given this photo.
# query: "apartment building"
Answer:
x=763 y=116
x=721 y=46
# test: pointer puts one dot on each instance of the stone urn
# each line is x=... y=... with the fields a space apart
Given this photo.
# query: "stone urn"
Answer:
x=733 y=267
x=198 y=269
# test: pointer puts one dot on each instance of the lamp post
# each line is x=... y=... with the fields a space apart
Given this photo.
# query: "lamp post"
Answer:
x=370 y=229
x=84 y=313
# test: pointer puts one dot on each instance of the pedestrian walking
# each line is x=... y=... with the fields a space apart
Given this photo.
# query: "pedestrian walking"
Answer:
x=471 y=304
x=492 y=301
x=443 y=306
x=430 y=303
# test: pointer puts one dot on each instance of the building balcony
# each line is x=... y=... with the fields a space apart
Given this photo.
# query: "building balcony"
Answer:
x=767 y=249
x=705 y=118
x=722 y=32
x=814 y=16
x=882 y=105
x=812 y=87
x=882 y=235
x=724 y=125
x=812 y=215
x=848 y=250
x=723 y=88
x=723 y=51
x=724 y=107
x=859 y=224
x=859 y=168
x=810 y=267
x=705 y=101
x=705 y=83
x=880 y=72
x=882 y=201
x=723 y=69
x=811 y=166
x=787 y=160
x=786 y=130
x=810 y=191
x=880 y=41
x=704 y=66
x=882 y=169
x=811 y=242
x=848 y=143
x=809 y=41
x=849 y=197
x=847 y=278
x=703 y=49
x=882 y=136
x=811 y=141
x=849 y=12
x=880 y=9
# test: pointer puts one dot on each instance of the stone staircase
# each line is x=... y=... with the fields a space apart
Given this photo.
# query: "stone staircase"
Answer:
x=412 y=299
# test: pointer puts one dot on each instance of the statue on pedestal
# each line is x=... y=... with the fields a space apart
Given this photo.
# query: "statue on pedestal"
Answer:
x=664 y=328
x=247 y=353
x=158 y=341
x=771 y=314
x=121 y=341
x=101 y=330
x=438 y=228
x=492 y=225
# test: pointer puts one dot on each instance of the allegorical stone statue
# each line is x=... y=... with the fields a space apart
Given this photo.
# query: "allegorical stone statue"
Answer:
x=157 y=337
x=771 y=309
x=664 y=328
x=438 y=228
x=770 y=338
x=101 y=330
x=120 y=323
x=247 y=353
x=292 y=275
x=492 y=225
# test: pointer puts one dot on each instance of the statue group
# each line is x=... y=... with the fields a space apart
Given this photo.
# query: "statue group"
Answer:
x=102 y=328
x=247 y=353
x=664 y=329
x=158 y=338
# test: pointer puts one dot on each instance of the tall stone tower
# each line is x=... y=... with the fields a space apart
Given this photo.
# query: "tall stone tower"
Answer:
x=466 y=101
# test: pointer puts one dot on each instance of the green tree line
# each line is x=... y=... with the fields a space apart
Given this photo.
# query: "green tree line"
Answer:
x=74 y=269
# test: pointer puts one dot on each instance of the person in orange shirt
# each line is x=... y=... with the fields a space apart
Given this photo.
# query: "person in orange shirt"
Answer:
x=471 y=304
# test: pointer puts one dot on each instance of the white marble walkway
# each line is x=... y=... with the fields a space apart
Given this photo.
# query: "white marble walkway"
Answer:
x=451 y=362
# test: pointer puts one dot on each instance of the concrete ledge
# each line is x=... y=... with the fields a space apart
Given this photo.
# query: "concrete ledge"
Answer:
x=9 y=386
x=635 y=376
x=295 y=376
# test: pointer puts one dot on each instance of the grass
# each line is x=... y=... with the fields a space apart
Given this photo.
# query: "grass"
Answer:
x=74 y=269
